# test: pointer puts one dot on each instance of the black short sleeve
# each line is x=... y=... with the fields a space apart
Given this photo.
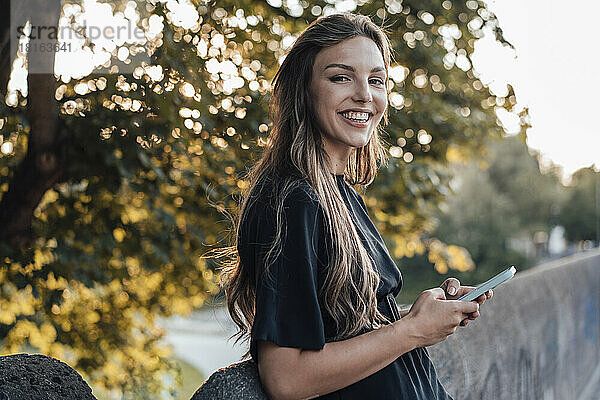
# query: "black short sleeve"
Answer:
x=287 y=306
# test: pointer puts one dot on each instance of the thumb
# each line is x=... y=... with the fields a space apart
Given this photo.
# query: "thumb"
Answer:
x=452 y=286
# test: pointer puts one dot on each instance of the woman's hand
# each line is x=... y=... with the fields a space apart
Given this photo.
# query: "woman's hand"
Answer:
x=454 y=290
x=433 y=318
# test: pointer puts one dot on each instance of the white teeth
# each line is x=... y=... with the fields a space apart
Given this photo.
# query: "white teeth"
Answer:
x=357 y=116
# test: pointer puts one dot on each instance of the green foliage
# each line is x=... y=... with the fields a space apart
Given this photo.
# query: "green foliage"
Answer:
x=581 y=215
x=156 y=158
x=509 y=198
x=191 y=378
x=535 y=197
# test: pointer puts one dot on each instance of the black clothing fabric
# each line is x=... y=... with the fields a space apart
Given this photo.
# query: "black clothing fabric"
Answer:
x=288 y=309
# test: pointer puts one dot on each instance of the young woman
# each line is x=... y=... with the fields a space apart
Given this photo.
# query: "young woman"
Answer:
x=314 y=285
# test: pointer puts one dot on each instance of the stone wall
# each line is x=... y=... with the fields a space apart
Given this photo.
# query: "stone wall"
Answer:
x=538 y=338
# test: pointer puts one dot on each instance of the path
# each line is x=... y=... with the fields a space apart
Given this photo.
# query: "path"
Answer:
x=202 y=339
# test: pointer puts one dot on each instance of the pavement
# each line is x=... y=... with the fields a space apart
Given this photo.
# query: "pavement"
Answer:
x=202 y=339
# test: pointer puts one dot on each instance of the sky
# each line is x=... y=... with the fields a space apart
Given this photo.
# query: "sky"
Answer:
x=554 y=71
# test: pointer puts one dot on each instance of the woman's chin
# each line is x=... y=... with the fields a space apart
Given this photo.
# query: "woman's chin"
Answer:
x=362 y=145
x=363 y=142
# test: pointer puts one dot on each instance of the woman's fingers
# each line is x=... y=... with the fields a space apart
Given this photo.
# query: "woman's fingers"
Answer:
x=479 y=301
x=453 y=290
x=468 y=307
x=451 y=286
x=464 y=290
x=470 y=317
x=486 y=296
x=470 y=310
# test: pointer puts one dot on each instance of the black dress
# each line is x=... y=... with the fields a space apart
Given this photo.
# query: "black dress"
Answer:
x=288 y=310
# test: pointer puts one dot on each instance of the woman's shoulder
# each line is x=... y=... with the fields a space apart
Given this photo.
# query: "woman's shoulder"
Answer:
x=296 y=207
x=294 y=190
x=295 y=195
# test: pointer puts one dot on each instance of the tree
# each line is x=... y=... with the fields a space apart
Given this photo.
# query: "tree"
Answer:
x=581 y=214
x=535 y=196
x=113 y=185
x=501 y=196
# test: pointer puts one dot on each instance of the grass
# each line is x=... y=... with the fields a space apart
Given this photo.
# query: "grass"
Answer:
x=191 y=379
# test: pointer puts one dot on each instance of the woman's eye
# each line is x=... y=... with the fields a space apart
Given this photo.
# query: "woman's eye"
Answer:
x=341 y=78
x=337 y=78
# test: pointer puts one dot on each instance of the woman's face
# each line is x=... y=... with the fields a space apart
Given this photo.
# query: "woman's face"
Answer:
x=349 y=96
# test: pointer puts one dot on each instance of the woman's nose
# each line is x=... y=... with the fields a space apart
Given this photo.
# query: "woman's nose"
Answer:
x=363 y=93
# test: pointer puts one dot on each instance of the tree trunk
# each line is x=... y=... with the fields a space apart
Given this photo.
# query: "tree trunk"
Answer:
x=42 y=166
x=5 y=55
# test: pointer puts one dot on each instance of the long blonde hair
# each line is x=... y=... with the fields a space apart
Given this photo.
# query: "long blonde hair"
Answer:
x=295 y=147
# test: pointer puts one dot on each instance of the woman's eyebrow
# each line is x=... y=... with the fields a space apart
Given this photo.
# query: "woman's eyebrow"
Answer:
x=349 y=68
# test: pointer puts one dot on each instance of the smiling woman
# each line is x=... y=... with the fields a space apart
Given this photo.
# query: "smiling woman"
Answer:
x=314 y=285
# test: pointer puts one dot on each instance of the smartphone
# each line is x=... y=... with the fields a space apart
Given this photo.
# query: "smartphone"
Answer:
x=490 y=284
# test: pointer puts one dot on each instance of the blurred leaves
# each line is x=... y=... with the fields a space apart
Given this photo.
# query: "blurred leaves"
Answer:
x=507 y=200
x=581 y=218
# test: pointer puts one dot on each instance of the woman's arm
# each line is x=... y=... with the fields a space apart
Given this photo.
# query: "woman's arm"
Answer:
x=291 y=373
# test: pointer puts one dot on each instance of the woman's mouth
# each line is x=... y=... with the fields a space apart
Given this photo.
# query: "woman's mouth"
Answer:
x=357 y=119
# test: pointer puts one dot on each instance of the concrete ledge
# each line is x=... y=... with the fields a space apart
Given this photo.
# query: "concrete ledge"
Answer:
x=537 y=339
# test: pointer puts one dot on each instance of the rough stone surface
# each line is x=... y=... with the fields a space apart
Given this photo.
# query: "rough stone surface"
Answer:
x=39 y=377
x=538 y=338
x=238 y=381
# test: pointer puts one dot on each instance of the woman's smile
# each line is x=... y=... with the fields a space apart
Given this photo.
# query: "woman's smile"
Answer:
x=356 y=119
